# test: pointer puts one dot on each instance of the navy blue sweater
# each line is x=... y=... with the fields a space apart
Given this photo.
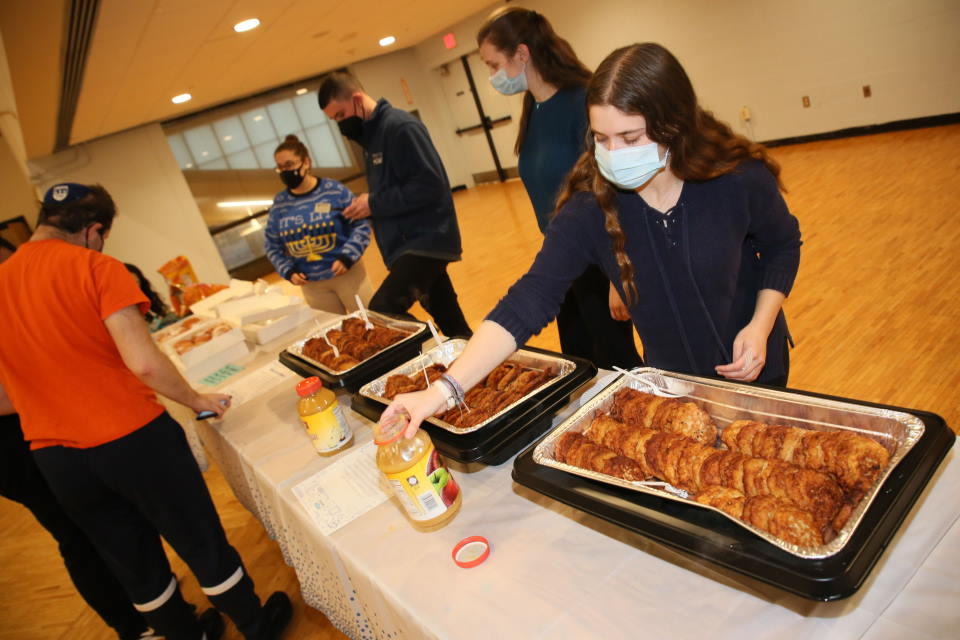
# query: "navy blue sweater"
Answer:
x=551 y=146
x=307 y=233
x=410 y=202
x=698 y=270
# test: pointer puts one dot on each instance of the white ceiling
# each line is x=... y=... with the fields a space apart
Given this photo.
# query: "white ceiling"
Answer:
x=146 y=51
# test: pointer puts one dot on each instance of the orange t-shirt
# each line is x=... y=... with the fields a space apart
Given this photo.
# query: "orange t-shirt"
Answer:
x=58 y=363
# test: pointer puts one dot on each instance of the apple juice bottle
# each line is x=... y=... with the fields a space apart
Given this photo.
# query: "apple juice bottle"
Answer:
x=419 y=477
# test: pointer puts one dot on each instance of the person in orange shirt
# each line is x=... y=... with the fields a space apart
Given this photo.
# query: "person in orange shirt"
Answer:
x=78 y=364
x=21 y=481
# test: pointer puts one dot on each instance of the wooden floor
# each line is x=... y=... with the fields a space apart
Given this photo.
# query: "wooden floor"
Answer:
x=874 y=312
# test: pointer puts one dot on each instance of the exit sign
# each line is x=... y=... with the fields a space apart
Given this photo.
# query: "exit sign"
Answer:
x=449 y=41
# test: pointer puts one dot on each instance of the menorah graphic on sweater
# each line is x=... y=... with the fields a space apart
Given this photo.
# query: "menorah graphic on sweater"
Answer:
x=311 y=247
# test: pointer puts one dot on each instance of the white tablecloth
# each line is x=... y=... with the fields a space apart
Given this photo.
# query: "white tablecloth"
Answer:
x=553 y=571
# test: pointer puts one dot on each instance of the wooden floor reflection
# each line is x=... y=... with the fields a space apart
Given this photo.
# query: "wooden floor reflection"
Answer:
x=874 y=313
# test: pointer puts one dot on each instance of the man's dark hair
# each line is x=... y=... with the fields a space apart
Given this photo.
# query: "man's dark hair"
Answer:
x=76 y=215
x=337 y=86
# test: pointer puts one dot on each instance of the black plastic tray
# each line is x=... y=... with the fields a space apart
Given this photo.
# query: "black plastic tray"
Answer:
x=369 y=369
x=496 y=442
x=708 y=535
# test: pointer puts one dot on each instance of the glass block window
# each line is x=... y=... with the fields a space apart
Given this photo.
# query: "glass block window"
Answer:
x=247 y=140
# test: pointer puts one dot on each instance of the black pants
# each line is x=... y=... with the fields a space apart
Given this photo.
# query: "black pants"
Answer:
x=424 y=280
x=127 y=493
x=588 y=331
x=21 y=481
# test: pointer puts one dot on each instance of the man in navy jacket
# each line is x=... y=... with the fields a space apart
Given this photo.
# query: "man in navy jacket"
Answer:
x=409 y=203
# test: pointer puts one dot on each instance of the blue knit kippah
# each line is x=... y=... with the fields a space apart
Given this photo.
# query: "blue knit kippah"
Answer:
x=65 y=192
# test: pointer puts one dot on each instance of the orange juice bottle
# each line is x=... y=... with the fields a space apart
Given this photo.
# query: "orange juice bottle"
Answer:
x=419 y=477
x=322 y=416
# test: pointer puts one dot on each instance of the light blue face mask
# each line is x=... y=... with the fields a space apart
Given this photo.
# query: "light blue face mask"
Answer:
x=509 y=86
x=629 y=167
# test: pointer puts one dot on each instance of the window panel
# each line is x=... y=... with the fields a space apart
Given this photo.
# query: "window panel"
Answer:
x=243 y=160
x=180 y=152
x=218 y=163
x=284 y=117
x=258 y=126
x=323 y=147
x=230 y=135
x=264 y=153
x=308 y=109
x=202 y=144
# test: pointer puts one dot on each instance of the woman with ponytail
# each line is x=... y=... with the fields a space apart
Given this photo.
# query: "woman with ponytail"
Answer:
x=682 y=214
x=526 y=55
x=308 y=240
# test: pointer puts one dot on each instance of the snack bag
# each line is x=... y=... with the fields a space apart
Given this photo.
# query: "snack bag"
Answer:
x=184 y=288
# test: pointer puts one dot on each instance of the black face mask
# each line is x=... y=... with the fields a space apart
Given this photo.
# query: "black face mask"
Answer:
x=292 y=177
x=352 y=128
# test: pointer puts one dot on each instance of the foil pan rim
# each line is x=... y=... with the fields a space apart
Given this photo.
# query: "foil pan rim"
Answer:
x=456 y=346
x=543 y=455
x=411 y=326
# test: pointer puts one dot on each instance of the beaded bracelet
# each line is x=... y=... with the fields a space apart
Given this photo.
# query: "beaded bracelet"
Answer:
x=455 y=389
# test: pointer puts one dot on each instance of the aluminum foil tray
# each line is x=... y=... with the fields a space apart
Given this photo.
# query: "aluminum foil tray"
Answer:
x=727 y=402
x=411 y=328
x=447 y=352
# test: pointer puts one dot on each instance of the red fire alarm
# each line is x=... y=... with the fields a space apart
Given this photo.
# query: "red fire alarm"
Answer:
x=449 y=41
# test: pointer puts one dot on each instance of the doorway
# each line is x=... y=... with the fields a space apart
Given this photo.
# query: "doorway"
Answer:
x=486 y=121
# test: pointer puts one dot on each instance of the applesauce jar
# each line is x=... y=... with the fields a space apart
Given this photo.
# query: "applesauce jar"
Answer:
x=322 y=416
x=418 y=475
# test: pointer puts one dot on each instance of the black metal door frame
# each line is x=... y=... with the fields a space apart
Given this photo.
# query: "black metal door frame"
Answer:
x=485 y=121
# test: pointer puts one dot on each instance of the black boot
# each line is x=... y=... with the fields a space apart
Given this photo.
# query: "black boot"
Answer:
x=175 y=619
x=212 y=624
x=277 y=612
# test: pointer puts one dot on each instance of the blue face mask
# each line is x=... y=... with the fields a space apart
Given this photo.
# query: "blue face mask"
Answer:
x=509 y=86
x=630 y=167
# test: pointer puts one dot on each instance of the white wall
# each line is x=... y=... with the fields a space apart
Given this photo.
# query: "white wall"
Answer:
x=768 y=54
x=158 y=218
x=19 y=198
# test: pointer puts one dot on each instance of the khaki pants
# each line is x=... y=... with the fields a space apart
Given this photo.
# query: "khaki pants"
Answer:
x=336 y=295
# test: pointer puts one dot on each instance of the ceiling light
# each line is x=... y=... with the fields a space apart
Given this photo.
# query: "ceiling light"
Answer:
x=227 y=138
x=183 y=97
x=386 y=42
x=301 y=91
x=246 y=25
x=228 y=204
x=257 y=118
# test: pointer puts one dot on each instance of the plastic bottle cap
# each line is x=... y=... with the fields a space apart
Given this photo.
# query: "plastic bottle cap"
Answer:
x=385 y=434
x=309 y=386
x=471 y=551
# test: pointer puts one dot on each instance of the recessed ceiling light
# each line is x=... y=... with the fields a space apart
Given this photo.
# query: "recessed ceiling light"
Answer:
x=301 y=91
x=386 y=42
x=246 y=25
x=257 y=118
x=227 y=138
x=205 y=153
x=183 y=97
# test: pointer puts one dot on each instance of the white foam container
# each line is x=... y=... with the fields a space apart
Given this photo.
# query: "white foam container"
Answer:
x=269 y=330
x=255 y=309
x=207 y=308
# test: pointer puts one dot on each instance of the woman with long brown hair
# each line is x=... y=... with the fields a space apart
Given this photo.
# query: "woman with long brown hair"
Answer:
x=526 y=55
x=685 y=216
